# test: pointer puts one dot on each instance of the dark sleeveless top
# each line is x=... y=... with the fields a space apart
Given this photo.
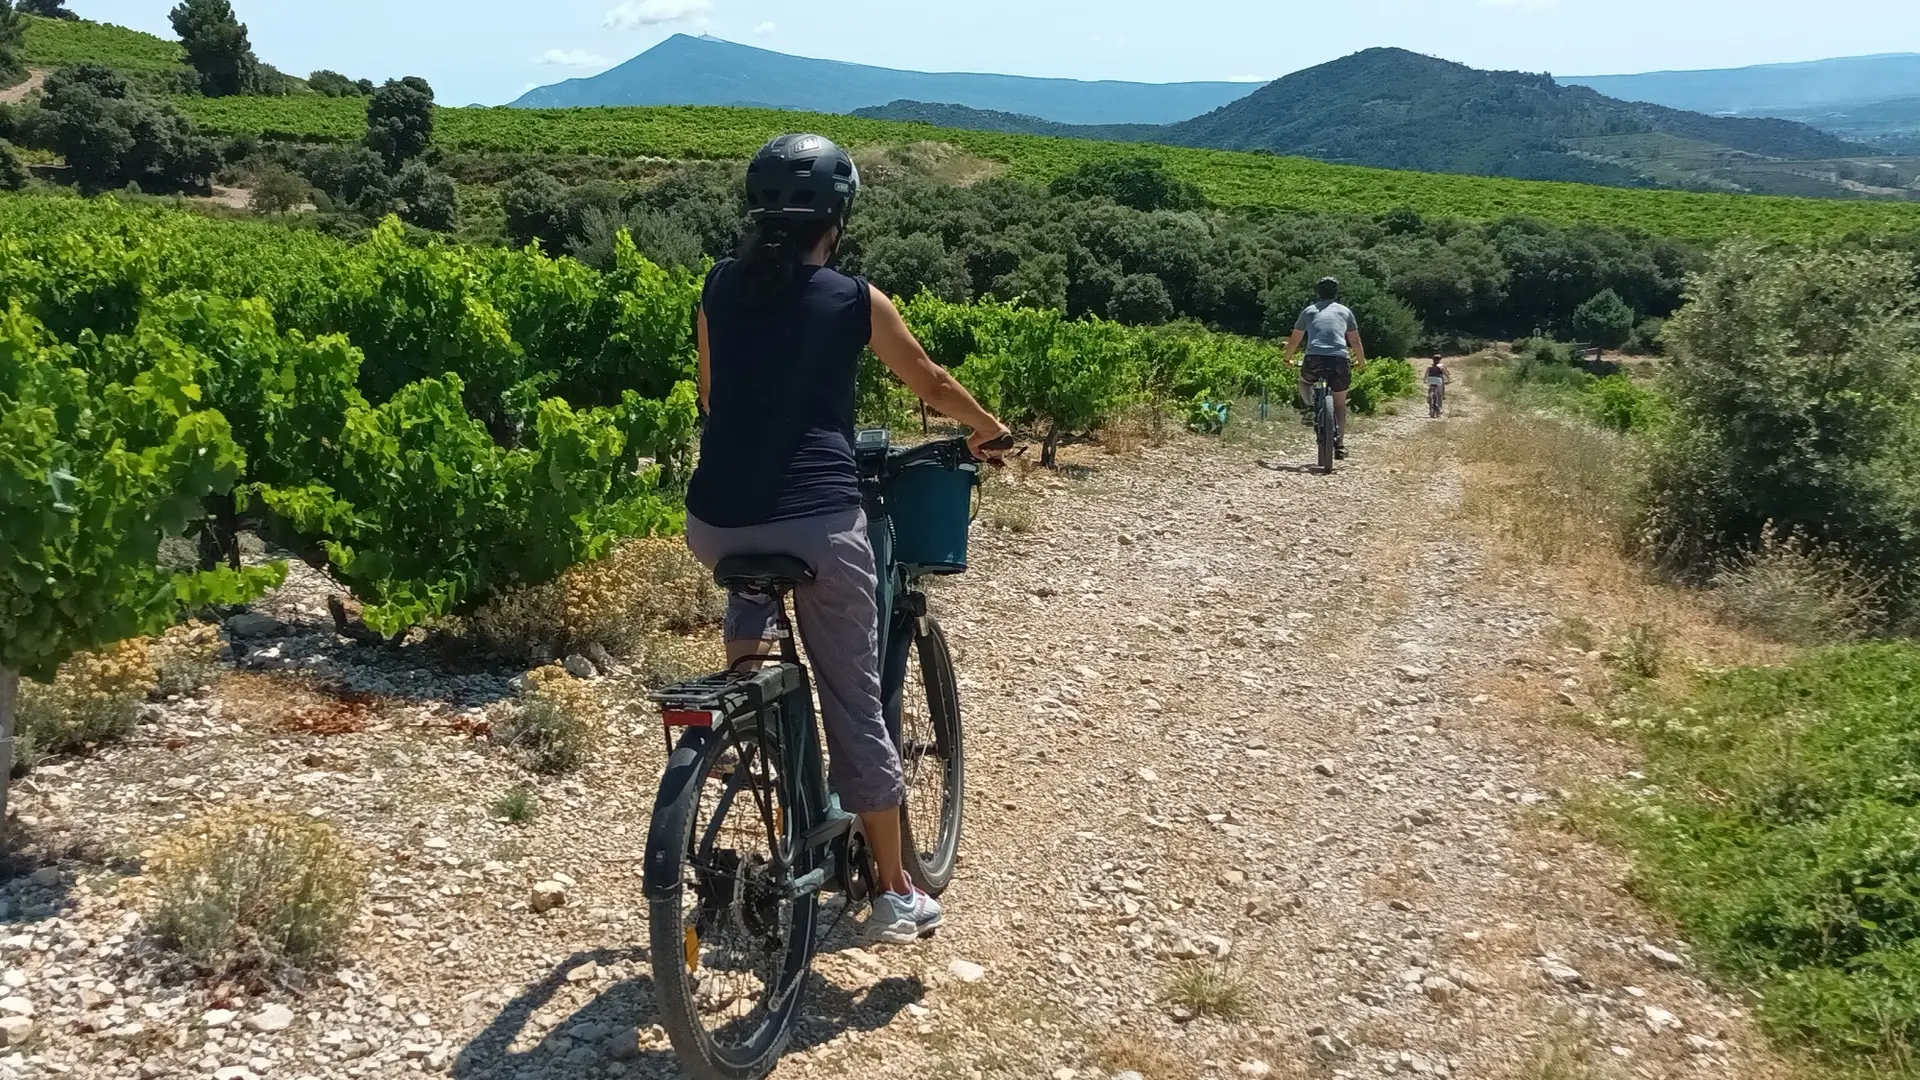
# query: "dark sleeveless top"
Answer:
x=778 y=443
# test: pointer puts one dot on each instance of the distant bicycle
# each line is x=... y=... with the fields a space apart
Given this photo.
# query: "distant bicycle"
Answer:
x=746 y=831
x=1436 y=393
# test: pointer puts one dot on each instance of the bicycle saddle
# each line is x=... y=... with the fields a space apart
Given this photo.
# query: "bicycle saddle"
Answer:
x=762 y=573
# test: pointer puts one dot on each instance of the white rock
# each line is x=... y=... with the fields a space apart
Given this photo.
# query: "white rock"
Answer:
x=1128 y=1075
x=16 y=1006
x=1557 y=971
x=1439 y=988
x=580 y=667
x=271 y=1019
x=966 y=971
x=45 y=877
x=1325 y=768
x=14 y=1030
x=1659 y=1019
x=1661 y=956
x=547 y=895
x=1413 y=674
x=436 y=843
x=252 y=624
x=217 y=1017
x=235 y=1072
x=1255 y=1069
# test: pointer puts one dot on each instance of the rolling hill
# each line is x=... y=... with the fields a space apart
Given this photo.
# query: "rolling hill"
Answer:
x=1768 y=89
x=685 y=70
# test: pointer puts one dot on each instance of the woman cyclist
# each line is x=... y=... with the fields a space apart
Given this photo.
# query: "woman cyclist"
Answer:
x=781 y=335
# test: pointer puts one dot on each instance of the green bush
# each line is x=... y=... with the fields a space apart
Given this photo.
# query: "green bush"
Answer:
x=1781 y=826
x=1796 y=395
x=1380 y=382
x=1618 y=403
x=13 y=173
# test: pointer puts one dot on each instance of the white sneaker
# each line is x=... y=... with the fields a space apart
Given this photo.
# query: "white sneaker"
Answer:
x=903 y=920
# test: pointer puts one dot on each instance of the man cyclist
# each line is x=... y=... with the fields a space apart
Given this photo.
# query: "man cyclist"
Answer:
x=780 y=338
x=1334 y=349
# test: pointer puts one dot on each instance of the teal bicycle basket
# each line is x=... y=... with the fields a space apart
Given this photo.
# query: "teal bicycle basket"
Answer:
x=931 y=507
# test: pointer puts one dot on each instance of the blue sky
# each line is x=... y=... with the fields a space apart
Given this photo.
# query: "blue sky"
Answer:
x=490 y=51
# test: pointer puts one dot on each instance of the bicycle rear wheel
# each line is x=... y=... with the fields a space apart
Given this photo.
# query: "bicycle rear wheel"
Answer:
x=1323 y=426
x=932 y=755
x=730 y=944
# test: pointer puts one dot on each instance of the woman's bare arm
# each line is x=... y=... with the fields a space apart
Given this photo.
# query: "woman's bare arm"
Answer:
x=706 y=362
x=903 y=354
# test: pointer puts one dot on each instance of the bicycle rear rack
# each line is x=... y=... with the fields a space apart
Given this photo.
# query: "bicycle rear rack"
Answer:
x=729 y=695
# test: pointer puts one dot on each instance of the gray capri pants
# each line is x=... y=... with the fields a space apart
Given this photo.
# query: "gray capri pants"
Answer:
x=839 y=618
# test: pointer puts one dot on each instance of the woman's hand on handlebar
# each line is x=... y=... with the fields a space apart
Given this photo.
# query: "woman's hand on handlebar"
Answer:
x=990 y=444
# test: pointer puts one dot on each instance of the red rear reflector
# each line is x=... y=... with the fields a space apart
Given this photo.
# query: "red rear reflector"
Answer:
x=686 y=718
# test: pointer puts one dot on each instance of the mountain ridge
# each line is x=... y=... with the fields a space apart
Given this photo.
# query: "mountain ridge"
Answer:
x=686 y=70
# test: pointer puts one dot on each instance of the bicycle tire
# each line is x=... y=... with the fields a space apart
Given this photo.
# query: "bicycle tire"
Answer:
x=932 y=867
x=1323 y=426
x=676 y=985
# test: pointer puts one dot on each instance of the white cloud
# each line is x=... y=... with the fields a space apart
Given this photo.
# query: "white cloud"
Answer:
x=1519 y=5
x=571 y=58
x=765 y=28
x=634 y=13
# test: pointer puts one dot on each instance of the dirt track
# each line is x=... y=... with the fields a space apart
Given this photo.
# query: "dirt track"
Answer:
x=1224 y=716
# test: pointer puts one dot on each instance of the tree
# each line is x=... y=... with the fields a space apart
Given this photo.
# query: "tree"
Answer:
x=1140 y=300
x=13 y=174
x=426 y=197
x=1387 y=325
x=12 y=28
x=48 y=9
x=217 y=47
x=112 y=136
x=278 y=190
x=664 y=241
x=907 y=266
x=1605 y=320
x=1142 y=183
x=333 y=84
x=536 y=208
x=400 y=120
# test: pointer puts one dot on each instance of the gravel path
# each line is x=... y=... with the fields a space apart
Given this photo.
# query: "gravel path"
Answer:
x=1233 y=727
x=17 y=93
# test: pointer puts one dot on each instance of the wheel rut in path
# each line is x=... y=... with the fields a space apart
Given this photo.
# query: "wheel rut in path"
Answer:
x=1223 y=717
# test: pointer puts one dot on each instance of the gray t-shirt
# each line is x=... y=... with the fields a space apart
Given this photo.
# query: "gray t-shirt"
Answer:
x=1326 y=325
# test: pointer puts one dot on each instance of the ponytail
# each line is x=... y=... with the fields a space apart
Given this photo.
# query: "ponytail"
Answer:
x=771 y=253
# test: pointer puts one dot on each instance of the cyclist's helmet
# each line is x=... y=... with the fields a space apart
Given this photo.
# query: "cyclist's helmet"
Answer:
x=801 y=177
x=1327 y=288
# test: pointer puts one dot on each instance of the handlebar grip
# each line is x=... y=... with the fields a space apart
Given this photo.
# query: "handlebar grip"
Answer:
x=1004 y=442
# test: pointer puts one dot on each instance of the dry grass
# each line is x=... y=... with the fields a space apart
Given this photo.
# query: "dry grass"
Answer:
x=555 y=725
x=647 y=590
x=1155 y=1060
x=185 y=658
x=1210 y=990
x=940 y=162
x=1794 y=593
x=246 y=888
x=1552 y=490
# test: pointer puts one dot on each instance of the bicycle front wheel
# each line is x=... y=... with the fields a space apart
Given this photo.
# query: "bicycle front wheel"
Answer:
x=933 y=757
x=731 y=944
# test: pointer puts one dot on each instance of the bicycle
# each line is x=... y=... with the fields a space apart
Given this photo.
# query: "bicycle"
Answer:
x=1436 y=391
x=1326 y=429
x=733 y=906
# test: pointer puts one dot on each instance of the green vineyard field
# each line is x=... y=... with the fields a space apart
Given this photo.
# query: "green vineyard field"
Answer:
x=54 y=42
x=693 y=132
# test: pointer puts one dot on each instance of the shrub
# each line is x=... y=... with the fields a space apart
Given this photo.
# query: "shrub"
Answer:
x=94 y=699
x=555 y=725
x=111 y=136
x=1380 y=382
x=518 y=806
x=623 y=603
x=1141 y=183
x=246 y=887
x=400 y=120
x=1207 y=990
x=1618 y=403
x=1605 y=320
x=185 y=658
x=1796 y=395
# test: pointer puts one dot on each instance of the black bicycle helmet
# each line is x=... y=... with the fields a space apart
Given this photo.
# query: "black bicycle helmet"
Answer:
x=801 y=178
x=1327 y=288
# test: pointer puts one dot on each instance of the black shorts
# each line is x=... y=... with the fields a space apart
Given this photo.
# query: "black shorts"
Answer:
x=1337 y=370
